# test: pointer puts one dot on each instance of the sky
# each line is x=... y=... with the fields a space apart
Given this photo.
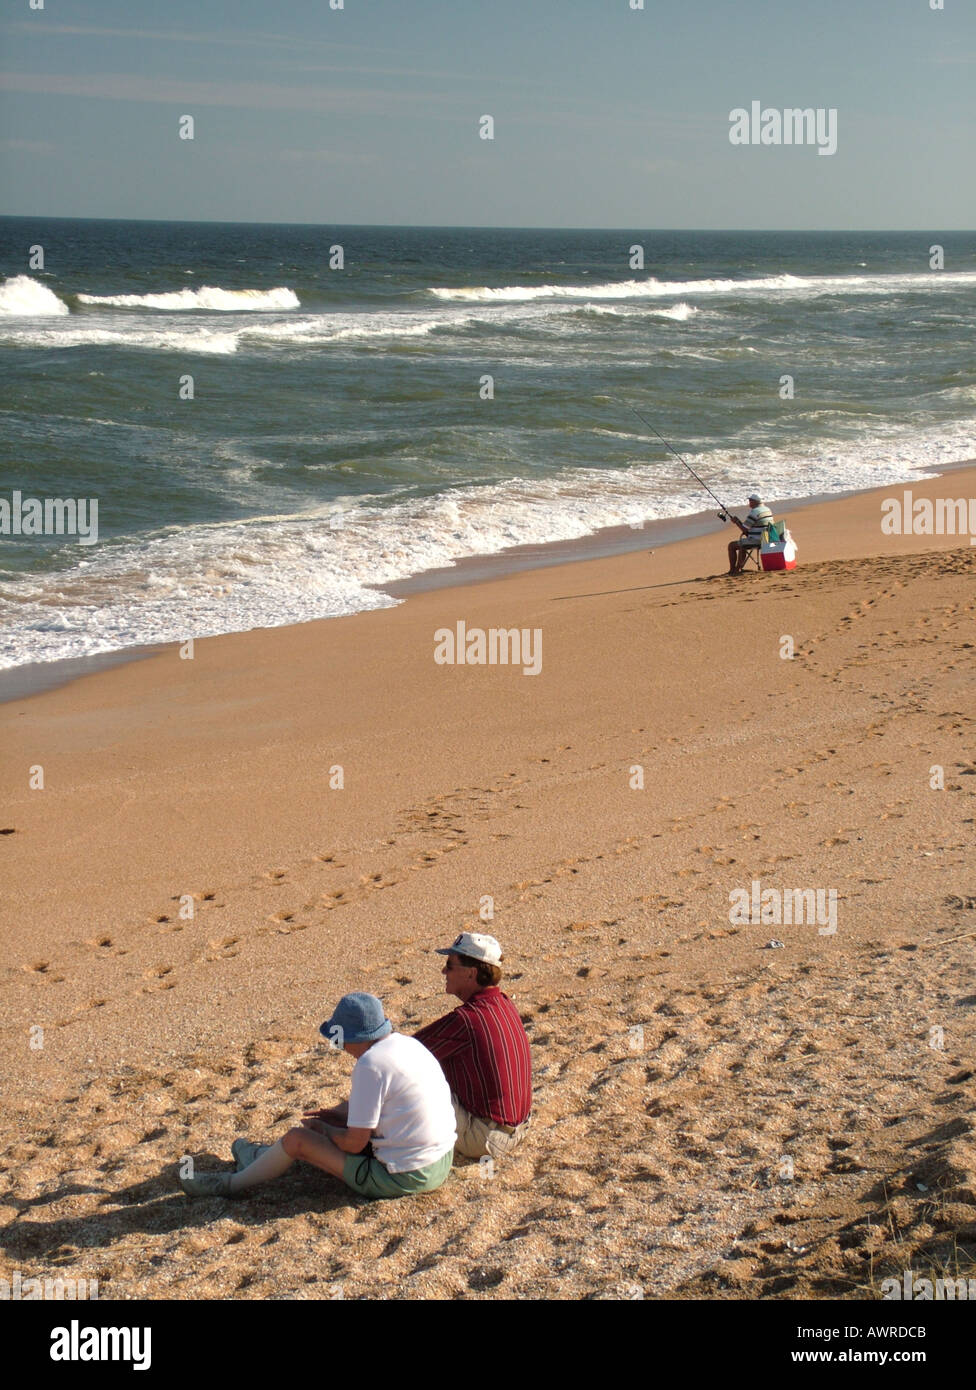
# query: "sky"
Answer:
x=604 y=115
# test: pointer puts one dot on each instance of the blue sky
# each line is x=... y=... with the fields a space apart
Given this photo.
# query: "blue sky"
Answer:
x=605 y=116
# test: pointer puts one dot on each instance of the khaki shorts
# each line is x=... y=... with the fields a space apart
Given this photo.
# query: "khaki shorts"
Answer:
x=479 y=1137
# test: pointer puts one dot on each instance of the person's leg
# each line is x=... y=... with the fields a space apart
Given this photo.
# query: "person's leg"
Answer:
x=316 y=1149
x=742 y=554
x=733 y=553
x=502 y=1145
x=244 y=1152
x=472 y=1133
x=271 y=1164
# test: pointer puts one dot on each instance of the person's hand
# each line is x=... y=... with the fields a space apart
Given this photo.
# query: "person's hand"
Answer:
x=318 y=1126
x=330 y=1116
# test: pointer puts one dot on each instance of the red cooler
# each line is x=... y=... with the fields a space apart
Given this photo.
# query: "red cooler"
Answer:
x=778 y=549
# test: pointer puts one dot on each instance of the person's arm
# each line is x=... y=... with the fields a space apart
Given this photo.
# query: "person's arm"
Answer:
x=351 y=1141
x=445 y=1037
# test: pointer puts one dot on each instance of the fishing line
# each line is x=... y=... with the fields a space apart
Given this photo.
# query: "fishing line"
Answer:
x=674 y=451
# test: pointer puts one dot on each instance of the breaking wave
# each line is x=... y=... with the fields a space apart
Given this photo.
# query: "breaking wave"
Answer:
x=208 y=297
x=28 y=298
x=652 y=288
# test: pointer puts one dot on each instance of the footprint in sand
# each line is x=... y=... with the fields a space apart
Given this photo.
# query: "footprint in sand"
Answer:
x=284 y=923
x=42 y=968
x=159 y=977
x=223 y=945
x=99 y=942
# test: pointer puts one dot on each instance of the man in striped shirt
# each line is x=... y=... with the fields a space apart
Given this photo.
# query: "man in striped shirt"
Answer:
x=483 y=1050
x=758 y=520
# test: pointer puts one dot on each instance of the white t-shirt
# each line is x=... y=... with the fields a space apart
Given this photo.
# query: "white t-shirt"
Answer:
x=399 y=1090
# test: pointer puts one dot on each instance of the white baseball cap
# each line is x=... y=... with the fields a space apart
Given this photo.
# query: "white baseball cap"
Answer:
x=476 y=946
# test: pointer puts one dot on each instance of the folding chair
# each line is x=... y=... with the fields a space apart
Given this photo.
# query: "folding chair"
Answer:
x=753 y=554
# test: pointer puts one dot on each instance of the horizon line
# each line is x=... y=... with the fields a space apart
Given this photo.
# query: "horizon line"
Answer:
x=475 y=227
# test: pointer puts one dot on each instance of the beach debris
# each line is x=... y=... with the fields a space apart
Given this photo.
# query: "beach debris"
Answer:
x=774 y=945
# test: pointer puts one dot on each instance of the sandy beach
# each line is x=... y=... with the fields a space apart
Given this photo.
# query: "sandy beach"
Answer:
x=224 y=845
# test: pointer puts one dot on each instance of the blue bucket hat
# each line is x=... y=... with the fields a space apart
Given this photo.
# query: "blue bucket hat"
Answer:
x=361 y=1018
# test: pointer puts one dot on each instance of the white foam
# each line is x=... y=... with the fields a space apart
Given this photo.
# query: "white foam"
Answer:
x=196 y=335
x=334 y=328
x=28 y=298
x=679 y=312
x=279 y=569
x=208 y=297
x=76 y=332
x=958 y=393
x=652 y=288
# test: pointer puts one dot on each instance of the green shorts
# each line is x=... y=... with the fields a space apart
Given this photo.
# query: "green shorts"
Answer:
x=369 y=1177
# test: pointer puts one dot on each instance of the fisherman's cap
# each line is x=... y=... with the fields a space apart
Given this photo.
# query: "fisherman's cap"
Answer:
x=360 y=1018
x=754 y=497
x=476 y=946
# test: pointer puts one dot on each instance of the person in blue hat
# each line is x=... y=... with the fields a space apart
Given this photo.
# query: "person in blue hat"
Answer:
x=394 y=1136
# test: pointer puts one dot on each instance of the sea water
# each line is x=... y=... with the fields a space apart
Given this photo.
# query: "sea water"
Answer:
x=275 y=419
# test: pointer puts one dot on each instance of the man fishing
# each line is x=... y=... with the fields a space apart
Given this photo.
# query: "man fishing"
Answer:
x=753 y=529
x=758 y=519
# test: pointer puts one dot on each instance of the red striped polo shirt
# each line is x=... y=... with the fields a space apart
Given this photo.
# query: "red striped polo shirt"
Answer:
x=484 y=1051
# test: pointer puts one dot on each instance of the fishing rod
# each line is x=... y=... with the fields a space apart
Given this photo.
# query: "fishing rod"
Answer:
x=674 y=451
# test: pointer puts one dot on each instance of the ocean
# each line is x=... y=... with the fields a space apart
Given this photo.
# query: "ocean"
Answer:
x=268 y=436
